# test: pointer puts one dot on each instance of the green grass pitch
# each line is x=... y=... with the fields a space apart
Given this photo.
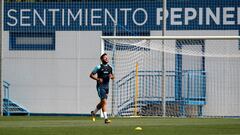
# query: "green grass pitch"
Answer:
x=69 y=125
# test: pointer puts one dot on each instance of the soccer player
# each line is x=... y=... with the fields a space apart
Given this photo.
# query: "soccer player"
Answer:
x=102 y=74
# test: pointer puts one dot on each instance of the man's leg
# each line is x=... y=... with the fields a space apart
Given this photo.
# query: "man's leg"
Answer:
x=104 y=109
x=98 y=107
x=93 y=113
x=103 y=94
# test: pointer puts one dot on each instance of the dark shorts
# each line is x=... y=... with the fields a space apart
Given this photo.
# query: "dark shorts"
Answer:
x=102 y=92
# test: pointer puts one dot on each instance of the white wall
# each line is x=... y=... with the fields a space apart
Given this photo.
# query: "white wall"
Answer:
x=58 y=81
x=54 y=81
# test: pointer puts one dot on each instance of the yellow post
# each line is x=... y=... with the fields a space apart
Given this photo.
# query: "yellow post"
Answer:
x=136 y=92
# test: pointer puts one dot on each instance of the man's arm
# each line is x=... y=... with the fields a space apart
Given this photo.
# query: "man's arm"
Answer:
x=111 y=76
x=94 y=77
x=93 y=74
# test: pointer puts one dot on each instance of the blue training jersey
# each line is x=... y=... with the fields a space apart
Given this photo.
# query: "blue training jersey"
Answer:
x=103 y=72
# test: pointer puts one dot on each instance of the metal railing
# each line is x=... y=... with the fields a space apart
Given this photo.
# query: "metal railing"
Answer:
x=6 y=86
x=9 y=107
x=193 y=89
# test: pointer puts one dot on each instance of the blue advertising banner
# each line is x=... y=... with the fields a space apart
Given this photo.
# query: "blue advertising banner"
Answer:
x=132 y=16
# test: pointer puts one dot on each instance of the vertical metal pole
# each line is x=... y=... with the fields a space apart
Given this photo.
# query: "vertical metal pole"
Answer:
x=8 y=101
x=163 y=59
x=101 y=52
x=136 y=93
x=102 y=46
x=1 y=86
x=113 y=65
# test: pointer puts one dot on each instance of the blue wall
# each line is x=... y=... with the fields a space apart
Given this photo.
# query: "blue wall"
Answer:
x=26 y=16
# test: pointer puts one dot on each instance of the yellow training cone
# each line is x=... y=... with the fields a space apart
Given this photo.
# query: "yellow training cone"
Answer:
x=138 y=128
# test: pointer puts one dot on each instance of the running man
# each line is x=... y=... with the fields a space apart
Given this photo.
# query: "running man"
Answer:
x=102 y=74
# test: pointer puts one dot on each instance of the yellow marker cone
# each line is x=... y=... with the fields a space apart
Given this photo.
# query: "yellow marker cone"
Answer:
x=138 y=128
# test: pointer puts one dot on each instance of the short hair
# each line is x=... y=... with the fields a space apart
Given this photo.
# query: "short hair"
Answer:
x=102 y=56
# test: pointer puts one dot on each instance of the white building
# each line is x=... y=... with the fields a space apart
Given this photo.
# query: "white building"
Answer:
x=49 y=49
